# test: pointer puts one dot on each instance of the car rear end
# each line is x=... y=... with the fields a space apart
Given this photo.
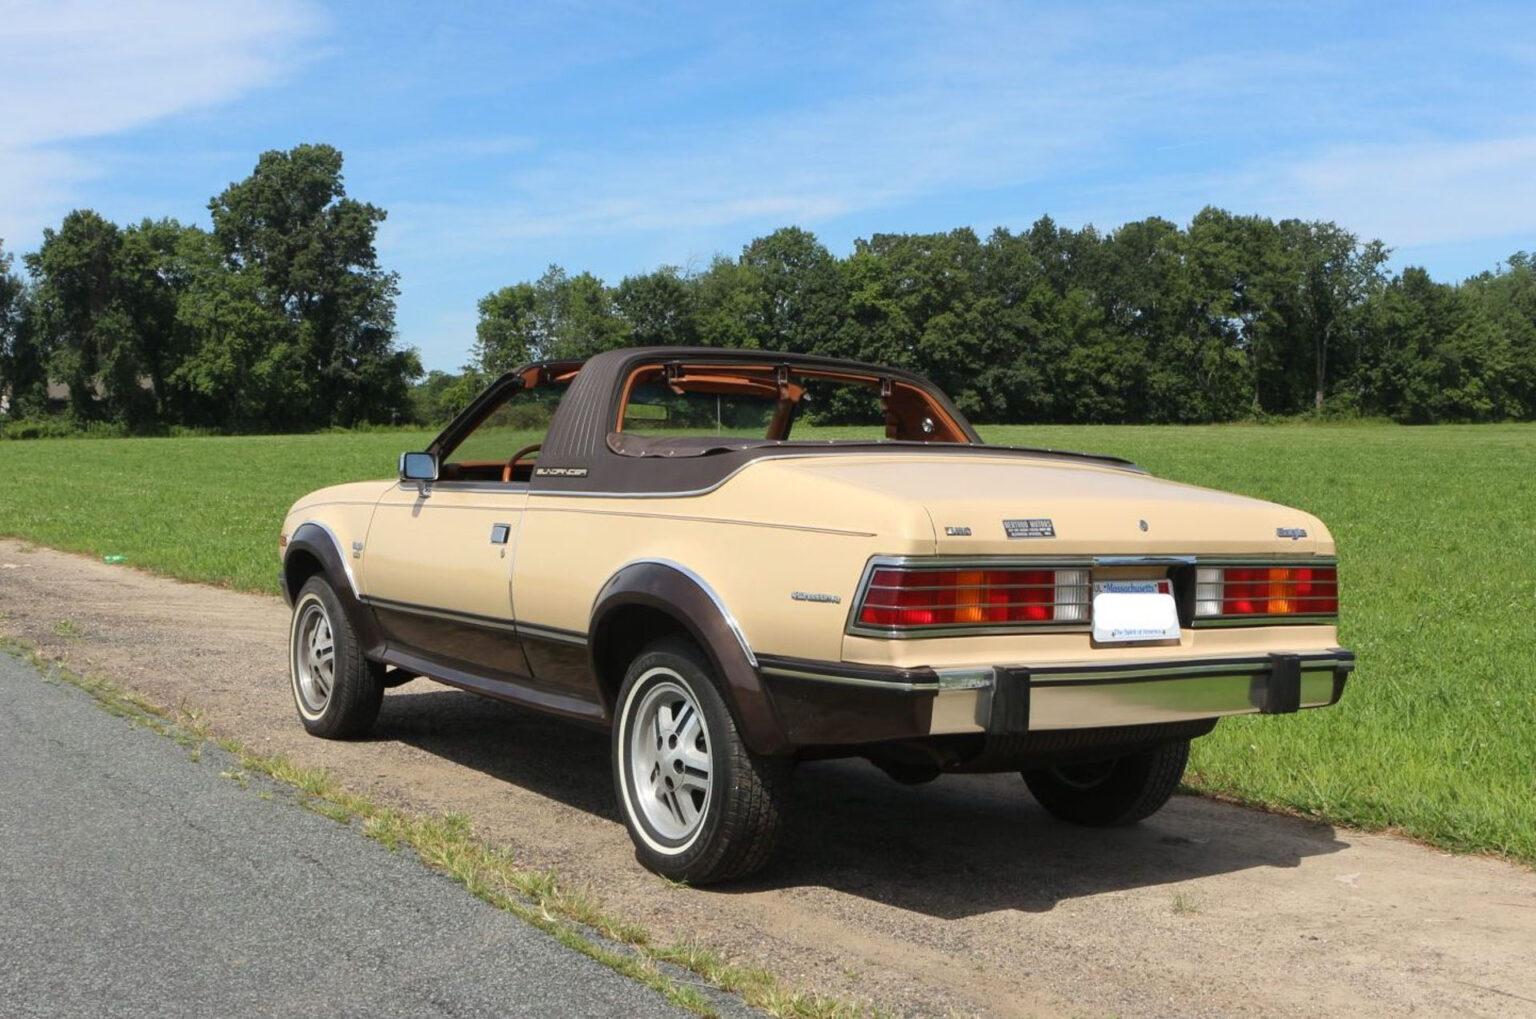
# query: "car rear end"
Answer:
x=1068 y=605
x=1020 y=644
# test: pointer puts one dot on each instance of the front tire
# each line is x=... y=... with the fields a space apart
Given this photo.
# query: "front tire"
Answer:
x=336 y=690
x=699 y=805
x=1120 y=791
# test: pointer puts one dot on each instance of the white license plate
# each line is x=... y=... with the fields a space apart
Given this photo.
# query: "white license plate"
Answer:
x=1134 y=610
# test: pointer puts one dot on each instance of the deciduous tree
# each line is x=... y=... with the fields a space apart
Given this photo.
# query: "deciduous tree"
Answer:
x=306 y=252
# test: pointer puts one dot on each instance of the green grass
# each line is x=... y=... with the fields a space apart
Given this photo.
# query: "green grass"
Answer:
x=200 y=508
x=1436 y=736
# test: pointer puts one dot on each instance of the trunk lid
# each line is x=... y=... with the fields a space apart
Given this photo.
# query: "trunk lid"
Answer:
x=1017 y=504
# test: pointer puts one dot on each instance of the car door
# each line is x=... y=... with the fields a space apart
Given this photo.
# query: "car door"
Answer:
x=437 y=572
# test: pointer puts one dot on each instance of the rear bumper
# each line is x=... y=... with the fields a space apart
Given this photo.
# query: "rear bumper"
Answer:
x=828 y=703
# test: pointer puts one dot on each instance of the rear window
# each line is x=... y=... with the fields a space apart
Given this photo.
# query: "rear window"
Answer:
x=758 y=402
x=654 y=409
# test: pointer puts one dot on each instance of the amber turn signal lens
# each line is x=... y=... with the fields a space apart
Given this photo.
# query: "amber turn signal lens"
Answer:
x=900 y=597
x=1269 y=591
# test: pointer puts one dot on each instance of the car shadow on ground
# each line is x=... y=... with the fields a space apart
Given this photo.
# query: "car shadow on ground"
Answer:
x=963 y=845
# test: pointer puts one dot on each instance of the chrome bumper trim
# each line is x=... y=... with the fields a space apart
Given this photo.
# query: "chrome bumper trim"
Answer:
x=1087 y=696
x=1084 y=696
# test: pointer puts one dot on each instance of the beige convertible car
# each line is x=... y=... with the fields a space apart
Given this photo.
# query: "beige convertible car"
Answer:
x=737 y=560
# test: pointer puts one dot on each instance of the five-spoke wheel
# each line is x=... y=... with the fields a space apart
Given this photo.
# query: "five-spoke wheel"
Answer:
x=698 y=803
x=337 y=690
x=314 y=666
x=669 y=748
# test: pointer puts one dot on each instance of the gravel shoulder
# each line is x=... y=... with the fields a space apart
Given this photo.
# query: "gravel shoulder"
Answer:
x=959 y=897
x=138 y=882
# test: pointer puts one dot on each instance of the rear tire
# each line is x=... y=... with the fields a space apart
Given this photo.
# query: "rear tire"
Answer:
x=1120 y=791
x=699 y=805
x=336 y=690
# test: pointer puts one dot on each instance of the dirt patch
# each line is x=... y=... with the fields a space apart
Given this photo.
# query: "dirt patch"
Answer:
x=961 y=897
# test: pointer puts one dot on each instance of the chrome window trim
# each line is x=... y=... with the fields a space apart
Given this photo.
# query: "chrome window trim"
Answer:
x=679 y=494
x=962 y=449
x=502 y=487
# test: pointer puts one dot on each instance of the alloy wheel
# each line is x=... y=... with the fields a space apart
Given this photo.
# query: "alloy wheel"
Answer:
x=669 y=758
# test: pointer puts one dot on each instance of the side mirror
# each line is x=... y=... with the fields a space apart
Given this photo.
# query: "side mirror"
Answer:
x=418 y=467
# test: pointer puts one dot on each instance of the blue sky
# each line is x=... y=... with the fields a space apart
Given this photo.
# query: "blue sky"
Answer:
x=617 y=137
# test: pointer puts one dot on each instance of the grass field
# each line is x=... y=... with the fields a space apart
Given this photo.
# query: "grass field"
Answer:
x=1436 y=528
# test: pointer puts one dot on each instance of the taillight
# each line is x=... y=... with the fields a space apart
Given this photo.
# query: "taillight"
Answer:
x=899 y=598
x=1244 y=591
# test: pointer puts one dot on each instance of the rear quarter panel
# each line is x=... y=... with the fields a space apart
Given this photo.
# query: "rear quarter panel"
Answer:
x=756 y=540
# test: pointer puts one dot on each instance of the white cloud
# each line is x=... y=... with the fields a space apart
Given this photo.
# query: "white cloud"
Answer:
x=33 y=185
x=83 y=69
x=974 y=98
x=1419 y=194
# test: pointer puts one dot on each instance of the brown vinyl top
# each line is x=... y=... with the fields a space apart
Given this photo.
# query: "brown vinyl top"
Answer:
x=594 y=459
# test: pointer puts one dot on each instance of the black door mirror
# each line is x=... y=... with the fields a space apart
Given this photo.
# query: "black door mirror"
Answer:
x=418 y=467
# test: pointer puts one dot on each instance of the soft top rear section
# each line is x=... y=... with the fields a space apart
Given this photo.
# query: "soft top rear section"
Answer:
x=692 y=446
x=584 y=455
x=587 y=413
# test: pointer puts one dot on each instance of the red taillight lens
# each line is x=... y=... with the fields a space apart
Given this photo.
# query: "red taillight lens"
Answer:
x=1271 y=591
x=899 y=597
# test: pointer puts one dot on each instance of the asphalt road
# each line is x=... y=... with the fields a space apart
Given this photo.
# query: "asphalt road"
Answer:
x=135 y=882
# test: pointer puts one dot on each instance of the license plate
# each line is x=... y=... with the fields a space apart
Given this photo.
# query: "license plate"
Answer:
x=1134 y=610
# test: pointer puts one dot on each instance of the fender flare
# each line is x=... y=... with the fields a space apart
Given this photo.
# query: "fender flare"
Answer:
x=677 y=591
x=320 y=542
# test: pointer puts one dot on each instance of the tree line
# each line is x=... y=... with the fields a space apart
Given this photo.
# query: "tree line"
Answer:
x=278 y=318
x=1232 y=317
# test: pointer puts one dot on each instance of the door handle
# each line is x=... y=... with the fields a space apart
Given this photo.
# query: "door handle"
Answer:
x=500 y=533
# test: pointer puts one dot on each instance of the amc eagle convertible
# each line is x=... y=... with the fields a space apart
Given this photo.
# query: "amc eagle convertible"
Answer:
x=650 y=543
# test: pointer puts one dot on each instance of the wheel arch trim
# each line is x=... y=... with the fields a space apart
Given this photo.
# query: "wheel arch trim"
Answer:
x=319 y=541
x=682 y=594
x=703 y=585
